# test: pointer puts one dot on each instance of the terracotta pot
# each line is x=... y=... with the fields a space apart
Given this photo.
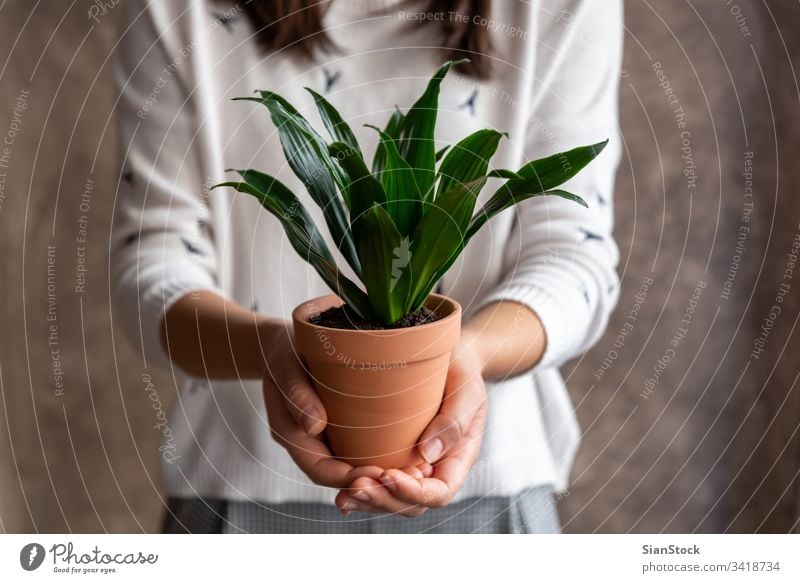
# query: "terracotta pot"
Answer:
x=380 y=388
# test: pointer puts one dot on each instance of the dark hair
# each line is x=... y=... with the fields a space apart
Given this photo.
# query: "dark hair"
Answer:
x=292 y=24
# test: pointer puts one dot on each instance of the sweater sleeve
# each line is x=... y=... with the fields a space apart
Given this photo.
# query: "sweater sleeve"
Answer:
x=161 y=243
x=561 y=259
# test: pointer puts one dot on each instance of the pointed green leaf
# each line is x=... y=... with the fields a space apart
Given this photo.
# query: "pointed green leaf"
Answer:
x=519 y=188
x=399 y=270
x=382 y=250
x=302 y=234
x=566 y=195
x=416 y=136
x=403 y=199
x=336 y=126
x=468 y=159
x=480 y=219
x=280 y=201
x=536 y=178
x=439 y=237
x=555 y=170
x=302 y=122
x=510 y=194
x=308 y=158
x=501 y=173
x=281 y=111
x=392 y=130
x=363 y=188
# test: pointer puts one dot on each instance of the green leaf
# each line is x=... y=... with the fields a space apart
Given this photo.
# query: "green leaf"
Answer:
x=319 y=142
x=468 y=159
x=558 y=168
x=501 y=173
x=478 y=221
x=403 y=199
x=277 y=105
x=416 y=135
x=511 y=194
x=566 y=195
x=363 y=188
x=308 y=158
x=537 y=178
x=277 y=198
x=302 y=234
x=403 y=231
x=392 y=130
x=439 y=237
x=382 y=250
x=272 y=96
x=336 y=126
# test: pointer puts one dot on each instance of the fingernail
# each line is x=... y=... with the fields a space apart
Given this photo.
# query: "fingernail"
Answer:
x=432 y=450
x=361 y=495
x=389 y=483
x=348 y=506
x=346 y=512
x=310 y=418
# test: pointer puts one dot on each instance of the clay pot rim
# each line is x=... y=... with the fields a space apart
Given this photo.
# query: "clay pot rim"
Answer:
x=454 y=314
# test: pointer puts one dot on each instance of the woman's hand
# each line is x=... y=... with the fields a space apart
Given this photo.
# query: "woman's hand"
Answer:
x=503 y=339
x=450 y=446
x=212 y=337
x=209 y=336
x=295 y=412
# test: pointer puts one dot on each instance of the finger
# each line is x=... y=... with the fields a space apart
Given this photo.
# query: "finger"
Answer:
x=308 y=452
x=448 y=475
x=381 y=501
x=434 y=492
x=464 y=395
x=412 y=471
x=429 y=492
x=348 y=504
x=369 y=495
x=355 y=491
x=299 y=395
x=373 y=472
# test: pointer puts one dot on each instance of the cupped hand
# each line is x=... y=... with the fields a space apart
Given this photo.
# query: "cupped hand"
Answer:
x=296 y=415
x=450 y=445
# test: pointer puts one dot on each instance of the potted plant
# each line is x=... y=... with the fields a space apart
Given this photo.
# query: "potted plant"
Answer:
x=378 y=353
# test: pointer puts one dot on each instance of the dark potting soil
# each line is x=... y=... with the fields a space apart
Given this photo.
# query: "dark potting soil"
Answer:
x=346 y=319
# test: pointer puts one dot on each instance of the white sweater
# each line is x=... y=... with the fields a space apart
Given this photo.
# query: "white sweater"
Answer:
x=556 y=67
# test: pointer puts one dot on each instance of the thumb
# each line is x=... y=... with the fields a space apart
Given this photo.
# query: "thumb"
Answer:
x=464 y=396
x=300 y=398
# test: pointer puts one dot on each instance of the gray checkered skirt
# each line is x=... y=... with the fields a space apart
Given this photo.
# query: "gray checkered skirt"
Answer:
x=532 y=511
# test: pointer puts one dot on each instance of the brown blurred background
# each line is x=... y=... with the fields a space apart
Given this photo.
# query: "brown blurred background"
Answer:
x=706 y=442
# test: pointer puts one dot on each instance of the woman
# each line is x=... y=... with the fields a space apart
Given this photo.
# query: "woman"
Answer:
x=205 y=284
